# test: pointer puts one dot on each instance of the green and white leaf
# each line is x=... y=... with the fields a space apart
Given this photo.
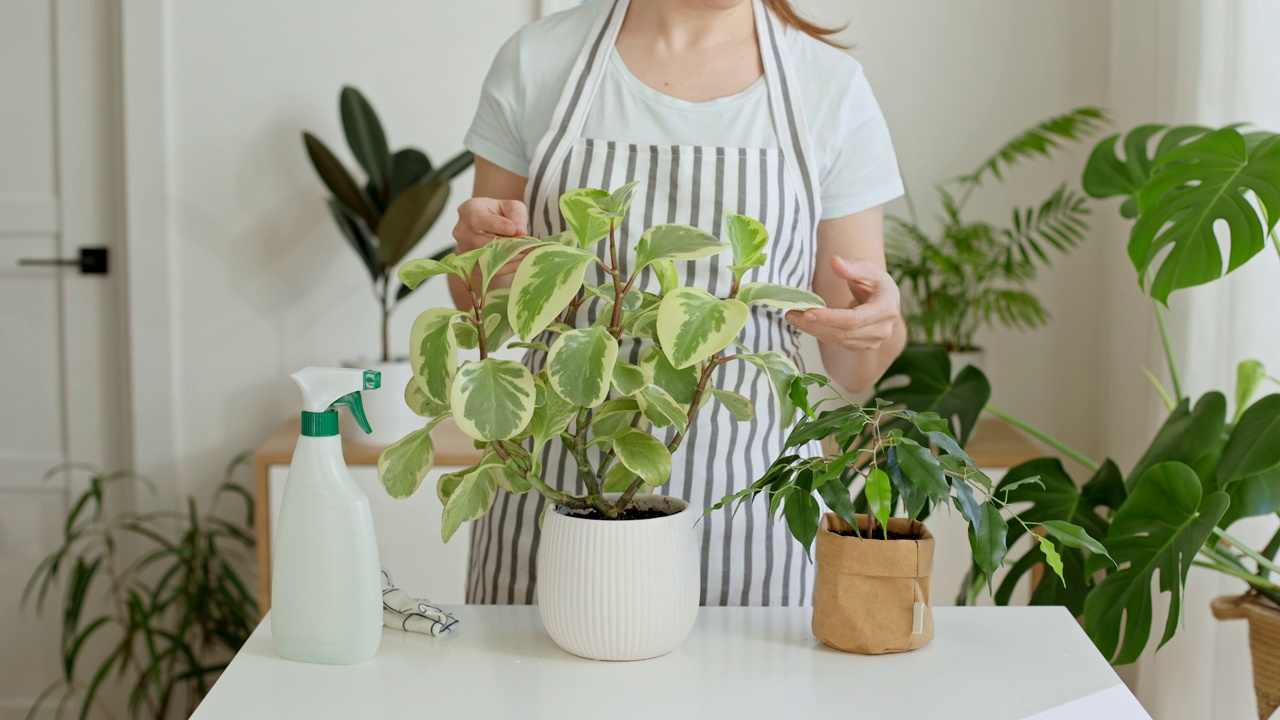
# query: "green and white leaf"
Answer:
x=582 y=213
x=404 y=464
x=781 y=372
x=433 y=352
x=580 y=365
x=779 y=296
x=550 y=419
x=419 y=403
x=643 y=455
x=738 y=406
x=693 y=325
x=497 y=331
x=676 y=242
x=548 y=278
x=617 y=479
x=470 y=500
x=413 y=272
x=501 y=251
x=668 y=277
x=492 y=399
x=464 y=331
x=661 y=409
x=748 y=238
x=612 y=417
x=628 y=378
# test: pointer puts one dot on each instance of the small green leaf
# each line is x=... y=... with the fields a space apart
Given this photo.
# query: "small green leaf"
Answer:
x=694 y=325
x=413 y=272
x=665 y=271
x=879 y=496
x=550 y=419
x=923 y=470
x=496 y=306
x=617 y=479
x=612 y=417
x=433 y=352
x=1254 y=446
x=628 y=378
x=467 y=335
x=404 y=464
x=580 y=365
x=338 y=180
x=1074 y=536
x=447 y=483
x=681 y=384
x=470 y=500
x=676 y=242
x=581 y=211
x=643 y=455
x=661 y=409
x=779 y=296
x=492 y=399
x=781 y=371
x=502 y=251
x=548 y=278
x=419 y=403
x=1249 y=375
x=1051 y=557
x=748 y=237
x=802 y=512
x=738 y=406
x=365 y=136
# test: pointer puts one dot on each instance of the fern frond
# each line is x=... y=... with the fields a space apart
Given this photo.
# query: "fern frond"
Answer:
x=1041 y=141
x=1017 y=309
x=1059 y=222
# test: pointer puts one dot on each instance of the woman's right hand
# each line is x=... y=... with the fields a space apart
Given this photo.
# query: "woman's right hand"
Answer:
x=481 y=219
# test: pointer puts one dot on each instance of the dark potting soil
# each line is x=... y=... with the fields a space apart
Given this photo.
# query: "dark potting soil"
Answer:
x=630 y=513
x=892 y=535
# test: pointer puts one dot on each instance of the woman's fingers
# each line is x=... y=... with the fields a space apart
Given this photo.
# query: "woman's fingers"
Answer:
x=482 y=219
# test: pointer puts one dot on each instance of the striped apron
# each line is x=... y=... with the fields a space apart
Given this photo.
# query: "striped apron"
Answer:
x=747 y=559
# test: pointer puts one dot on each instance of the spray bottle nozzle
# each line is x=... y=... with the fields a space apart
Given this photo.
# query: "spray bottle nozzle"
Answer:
x=353 y=402
x=324 y=389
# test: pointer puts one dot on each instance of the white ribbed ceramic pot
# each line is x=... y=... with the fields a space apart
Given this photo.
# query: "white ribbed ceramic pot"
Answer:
x=620 y=589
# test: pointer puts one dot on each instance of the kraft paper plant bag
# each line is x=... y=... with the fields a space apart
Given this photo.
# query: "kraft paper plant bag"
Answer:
x=872 y=596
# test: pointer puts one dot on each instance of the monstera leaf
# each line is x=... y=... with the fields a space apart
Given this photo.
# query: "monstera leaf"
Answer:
x=1187 y=436
x=1109 y=175
x=1157 y=531
x=921 y=380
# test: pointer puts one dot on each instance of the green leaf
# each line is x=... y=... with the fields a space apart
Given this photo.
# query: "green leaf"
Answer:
x=643 y=455
x=1158 y=531
x=781 y=372
x=365 y=137
x=617 y=479
x=628 y=378
x=680 y=384
x=802 y=513
x=548 y=278
x=409 y=217
x=665 y=271
x=1108 y=175
x=580 y=365
x=779 y=296
x=1186 y=436
x=433 y=352
x=492 y=399
x=1253 y=497
x=408 y=167
x=738 y=406
x=1041 y=141
x=836 y=496
x=661 y=409
x=879 y=496
x=987 y=530
x=455 y=167
x=335 y=177
x=748 y=237
x=1249 y=375
x=404 y=464
x=581 y=211
x=676 y=242
x=926 y=371
x=470 y=500
x=1051 y=557
x=1213 y=179
x=694 y=325
x=447 y=483
x=502 y=251
x=550 y=419
x=357 y=233
x=1074 y=536
x=613 y=417
x=413 y=272
x=1254 y=445
x=421 y=405
x=496 y=306
x=921 y=468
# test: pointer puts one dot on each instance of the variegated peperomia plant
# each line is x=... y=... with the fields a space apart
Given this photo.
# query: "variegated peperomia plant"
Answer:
x=620 y=422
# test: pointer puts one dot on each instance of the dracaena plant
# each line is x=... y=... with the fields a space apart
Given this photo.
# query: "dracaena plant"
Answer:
x=1190 y=190
x=620 y=421
x=399 y=202
x=887 y=460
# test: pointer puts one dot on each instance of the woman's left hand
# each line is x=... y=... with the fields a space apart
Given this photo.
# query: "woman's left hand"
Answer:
x=869 y=320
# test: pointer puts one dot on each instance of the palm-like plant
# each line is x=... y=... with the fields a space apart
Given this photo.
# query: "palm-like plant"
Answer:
x=974 y=274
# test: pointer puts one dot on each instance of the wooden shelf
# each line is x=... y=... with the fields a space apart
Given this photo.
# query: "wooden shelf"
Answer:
x=997 y=444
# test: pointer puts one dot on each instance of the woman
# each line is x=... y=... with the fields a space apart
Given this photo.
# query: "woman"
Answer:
x=714 y=106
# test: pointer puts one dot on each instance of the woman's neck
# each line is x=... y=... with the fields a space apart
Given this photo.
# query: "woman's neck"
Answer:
x=689 y=25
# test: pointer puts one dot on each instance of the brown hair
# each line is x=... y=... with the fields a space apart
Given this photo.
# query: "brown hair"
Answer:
x=788 y=15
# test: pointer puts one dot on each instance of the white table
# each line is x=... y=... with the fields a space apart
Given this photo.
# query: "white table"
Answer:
x=985 y=663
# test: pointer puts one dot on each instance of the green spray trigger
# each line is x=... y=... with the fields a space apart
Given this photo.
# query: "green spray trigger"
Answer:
x=356 y=405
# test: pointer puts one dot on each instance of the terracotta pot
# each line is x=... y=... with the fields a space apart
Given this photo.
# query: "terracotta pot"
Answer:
x=872 y=596
x=1264 y=644
x=620 y=589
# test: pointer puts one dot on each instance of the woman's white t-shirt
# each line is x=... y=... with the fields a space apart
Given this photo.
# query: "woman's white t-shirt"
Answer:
x=857 y=166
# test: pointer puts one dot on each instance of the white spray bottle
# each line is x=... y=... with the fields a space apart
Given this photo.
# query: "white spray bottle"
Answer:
x=326 y=584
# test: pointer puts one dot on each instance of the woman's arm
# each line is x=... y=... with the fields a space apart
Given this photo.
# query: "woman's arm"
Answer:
x=496 y=209
x=860 y=332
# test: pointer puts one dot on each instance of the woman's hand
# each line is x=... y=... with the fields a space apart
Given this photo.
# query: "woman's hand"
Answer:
x=869 y=320
x=481 y=219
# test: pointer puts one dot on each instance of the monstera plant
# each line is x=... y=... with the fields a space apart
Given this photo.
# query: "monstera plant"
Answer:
x=1188 y=189
x=609 y=413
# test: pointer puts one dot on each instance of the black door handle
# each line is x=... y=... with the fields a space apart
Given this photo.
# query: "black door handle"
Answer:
x=92 y=261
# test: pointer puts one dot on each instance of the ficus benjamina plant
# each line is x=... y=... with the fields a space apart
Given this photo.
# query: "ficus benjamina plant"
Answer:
x=620 y=422
x=893 y=457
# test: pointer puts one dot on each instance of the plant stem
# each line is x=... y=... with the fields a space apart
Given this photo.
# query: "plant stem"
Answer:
x=1269 y=552
x=1168 y=351
x=1264 y=563
x=386 y=321
x=1040 y=435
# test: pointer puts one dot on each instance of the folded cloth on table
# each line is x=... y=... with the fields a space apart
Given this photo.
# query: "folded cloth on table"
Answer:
x=402 y=612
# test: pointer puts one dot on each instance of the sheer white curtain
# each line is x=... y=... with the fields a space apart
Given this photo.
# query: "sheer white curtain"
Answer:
x=1212 y=62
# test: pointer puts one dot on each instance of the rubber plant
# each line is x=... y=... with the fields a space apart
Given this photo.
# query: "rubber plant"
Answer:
x=400 y=200
x=971 y=274
x=888 y=460
x=621 y=422
x=1187 y=188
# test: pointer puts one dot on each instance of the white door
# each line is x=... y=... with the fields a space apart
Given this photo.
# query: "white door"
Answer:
x=61 y=386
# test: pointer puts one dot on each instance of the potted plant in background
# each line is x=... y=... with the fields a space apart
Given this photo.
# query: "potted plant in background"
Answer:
x=383 y=219
x=874 y=556
x=973 y=274
x=621 y=422
x=1187 y=188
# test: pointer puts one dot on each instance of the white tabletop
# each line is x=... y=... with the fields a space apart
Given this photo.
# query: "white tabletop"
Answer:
x=985 y=663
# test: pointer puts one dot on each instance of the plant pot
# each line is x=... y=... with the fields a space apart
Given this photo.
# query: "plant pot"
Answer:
x=872 y=596
x=961 y=359
x=389 y=417
x=619 y=589
x=1264 y=644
